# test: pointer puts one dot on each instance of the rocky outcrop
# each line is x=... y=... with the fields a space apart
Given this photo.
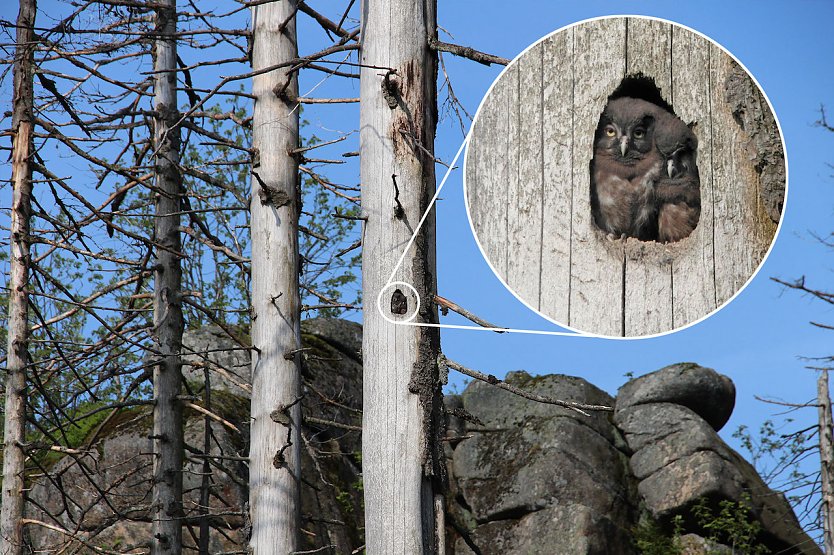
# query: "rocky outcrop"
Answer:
x=669 y=419
x=226 y=358
x=102 y=492
x=525 y=477
x=534 y=478
x=331 y=490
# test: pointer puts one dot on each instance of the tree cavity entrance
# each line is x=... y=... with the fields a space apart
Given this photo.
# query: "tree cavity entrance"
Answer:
x=398 y=302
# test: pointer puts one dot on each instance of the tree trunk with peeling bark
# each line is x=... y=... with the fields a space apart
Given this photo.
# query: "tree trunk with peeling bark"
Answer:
x=402 y=419
x=168 y=319
x=11 y=511
x=275 y=455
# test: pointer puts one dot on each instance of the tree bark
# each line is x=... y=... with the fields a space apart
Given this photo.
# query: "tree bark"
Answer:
x=168 y=318
x=275 y=455
x=11 y=509
x=205 y=483
x=401 y=409
x=826 y=460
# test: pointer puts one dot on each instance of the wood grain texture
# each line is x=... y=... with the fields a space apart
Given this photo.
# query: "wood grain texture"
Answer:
x=398 y=497
x=586 y=280
x=17 y=357
x=168 y=443
x=488 y=167
x=596 y=284
x=648 y=51
x=736 y=252
x=557 y=173
x=525 y=191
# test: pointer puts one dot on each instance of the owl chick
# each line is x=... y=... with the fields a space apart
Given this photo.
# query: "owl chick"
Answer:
x=678 y=191
x=644 y=178
x=624 y=169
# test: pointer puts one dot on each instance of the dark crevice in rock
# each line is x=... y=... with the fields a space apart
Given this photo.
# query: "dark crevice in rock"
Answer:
x=685 y=456
x=464 y=534
x=461 y=500
x=514 y=513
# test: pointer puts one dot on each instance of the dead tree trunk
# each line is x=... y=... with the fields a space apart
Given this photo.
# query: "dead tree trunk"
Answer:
x=826 y=460
x=275 y=455
x=11 y=511
x=168 y=319
x=401 y=393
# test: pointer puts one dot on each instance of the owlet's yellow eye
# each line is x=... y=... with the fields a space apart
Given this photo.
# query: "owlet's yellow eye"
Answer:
x=639 y=133
x=610 y=131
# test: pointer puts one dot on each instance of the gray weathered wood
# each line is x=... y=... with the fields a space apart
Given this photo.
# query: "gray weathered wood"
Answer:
x=11 y=509
x=488 y=209
x=557 y=169
x=826 y=448
x=649 y=46
x=525 y=191
x=275 y=453
x=401 y=392
x=575 y=274
x=736 y=196
x=168 y=444
x=694 y=271
x=596 y=283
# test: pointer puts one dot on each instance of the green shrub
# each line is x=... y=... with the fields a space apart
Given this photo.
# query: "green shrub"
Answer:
x=651 y=539
x=733 y=525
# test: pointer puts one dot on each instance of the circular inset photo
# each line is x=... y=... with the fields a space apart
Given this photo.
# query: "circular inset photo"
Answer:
x=625 y=177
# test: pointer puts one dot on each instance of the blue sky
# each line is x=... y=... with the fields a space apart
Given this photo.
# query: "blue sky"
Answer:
x=757 y=339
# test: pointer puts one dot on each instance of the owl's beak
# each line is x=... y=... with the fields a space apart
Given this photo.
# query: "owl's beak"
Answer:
x=623 y=145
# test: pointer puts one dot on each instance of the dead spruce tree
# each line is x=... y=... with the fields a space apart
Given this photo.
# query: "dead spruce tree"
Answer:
x=274 y=456
x=11 y=509
x=167 y=511
x=401 y=425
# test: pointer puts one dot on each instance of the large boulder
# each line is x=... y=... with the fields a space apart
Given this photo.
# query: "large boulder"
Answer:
x=103 y=493
x=568 y=528
x=531 y=467
x=703 y=390
x=224 y=354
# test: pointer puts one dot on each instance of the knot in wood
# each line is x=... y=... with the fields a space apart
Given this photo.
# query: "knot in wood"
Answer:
x=280 y=416
x=279 y=461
